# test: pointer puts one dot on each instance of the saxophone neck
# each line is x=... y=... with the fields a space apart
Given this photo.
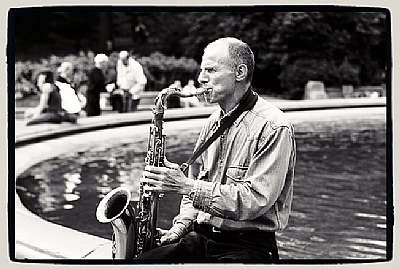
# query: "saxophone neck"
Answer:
x=162 y=97
x=165 y=93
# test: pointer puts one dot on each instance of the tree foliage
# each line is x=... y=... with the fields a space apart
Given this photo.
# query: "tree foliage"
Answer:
x=353 y=44
x=337 y=47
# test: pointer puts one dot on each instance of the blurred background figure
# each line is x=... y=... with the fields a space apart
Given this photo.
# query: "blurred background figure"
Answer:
x=174 y=101
x=177 y=84
x=189 y=101
x=131 y=80
x=111 y=79
x=49 y=109
x=97 y=85
x=69 y=98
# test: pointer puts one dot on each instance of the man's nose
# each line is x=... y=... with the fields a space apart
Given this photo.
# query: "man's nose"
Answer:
x=202 y=78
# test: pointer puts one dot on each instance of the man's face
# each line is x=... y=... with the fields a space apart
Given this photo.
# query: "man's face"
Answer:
x=69 y=71
x=124 y=60
x=217 y=75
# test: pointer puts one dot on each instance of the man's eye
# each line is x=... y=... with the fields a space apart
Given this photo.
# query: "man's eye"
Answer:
x=210 y=69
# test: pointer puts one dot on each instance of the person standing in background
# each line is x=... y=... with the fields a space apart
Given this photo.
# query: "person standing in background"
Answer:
x=111 y=80
x=130 y=79
x=97 y=84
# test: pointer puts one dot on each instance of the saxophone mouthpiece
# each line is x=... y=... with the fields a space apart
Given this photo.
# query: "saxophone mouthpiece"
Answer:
x=201 y=91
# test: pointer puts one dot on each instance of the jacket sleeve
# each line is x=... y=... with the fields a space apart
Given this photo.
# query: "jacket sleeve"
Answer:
x=139 y=78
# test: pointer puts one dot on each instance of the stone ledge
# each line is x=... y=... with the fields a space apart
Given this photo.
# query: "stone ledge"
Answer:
x=33 y=134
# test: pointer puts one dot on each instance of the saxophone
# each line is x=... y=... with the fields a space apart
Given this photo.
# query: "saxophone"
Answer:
x=135 y=231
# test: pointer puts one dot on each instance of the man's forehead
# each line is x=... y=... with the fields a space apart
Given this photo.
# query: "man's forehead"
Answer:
x=218 y=48
x=216 y=53
x=123 y=54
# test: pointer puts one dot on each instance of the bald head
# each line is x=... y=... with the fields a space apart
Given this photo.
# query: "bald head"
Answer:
x=238 y=52
x=66 y=70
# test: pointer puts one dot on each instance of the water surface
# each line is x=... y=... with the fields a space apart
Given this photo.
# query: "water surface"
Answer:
x=339 y=205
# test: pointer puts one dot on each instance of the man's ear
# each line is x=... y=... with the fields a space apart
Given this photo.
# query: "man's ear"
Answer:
x=241 y=72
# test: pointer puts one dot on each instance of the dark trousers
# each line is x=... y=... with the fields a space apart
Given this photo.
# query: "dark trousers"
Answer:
x=46 y=118
x=53 y=118
x=115 y=101
x=124 y=103
x=118 y=103
x=93 y=104
x=135 y=104
x=127 y=101
x=205 y=245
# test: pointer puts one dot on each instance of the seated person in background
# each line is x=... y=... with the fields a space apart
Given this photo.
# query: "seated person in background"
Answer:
x=49 y=109
x=69 y=99
x=189 y=101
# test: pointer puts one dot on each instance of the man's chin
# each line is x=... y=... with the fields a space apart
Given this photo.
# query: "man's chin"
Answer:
x=209 y=100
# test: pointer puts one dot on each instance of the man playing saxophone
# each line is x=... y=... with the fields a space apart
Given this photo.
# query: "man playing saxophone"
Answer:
x=239 y=191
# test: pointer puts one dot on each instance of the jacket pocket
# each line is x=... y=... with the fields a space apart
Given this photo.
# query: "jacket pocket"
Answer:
x=236 y=174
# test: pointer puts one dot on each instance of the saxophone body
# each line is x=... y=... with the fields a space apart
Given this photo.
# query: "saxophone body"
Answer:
x=135 y=231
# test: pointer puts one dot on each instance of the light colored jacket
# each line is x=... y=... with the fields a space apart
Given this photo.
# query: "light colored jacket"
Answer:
x=131 y=77
x=250 y=174
x=69 y=100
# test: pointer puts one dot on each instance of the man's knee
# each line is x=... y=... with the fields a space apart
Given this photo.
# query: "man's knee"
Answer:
x=189 y=247
x=165 y=252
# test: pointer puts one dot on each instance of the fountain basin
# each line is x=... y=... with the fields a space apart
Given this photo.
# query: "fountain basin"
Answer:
x=39 y=239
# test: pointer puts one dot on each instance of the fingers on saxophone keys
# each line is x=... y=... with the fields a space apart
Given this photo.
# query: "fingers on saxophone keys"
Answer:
x=155 y=169
x=154 y=176
x=170 y=165
x=149 y=181
x=152 y=188
x=150 y=184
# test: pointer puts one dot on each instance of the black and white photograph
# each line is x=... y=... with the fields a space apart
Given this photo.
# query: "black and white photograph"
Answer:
x=250 y=134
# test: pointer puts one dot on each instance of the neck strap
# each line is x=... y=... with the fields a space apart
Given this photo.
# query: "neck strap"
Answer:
x=247 y=102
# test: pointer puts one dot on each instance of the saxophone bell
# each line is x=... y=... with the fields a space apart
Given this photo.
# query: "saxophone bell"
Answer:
x=115 y=208
x=136 y=234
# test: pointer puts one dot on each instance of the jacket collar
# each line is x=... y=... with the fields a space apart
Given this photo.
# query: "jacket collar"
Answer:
x=62 y=80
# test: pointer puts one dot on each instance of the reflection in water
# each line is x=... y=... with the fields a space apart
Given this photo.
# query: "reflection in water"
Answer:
x=339 y=206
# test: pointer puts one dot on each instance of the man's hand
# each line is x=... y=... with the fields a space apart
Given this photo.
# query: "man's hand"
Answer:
x=167 y=236
x=166 y=179
x=110 y=87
